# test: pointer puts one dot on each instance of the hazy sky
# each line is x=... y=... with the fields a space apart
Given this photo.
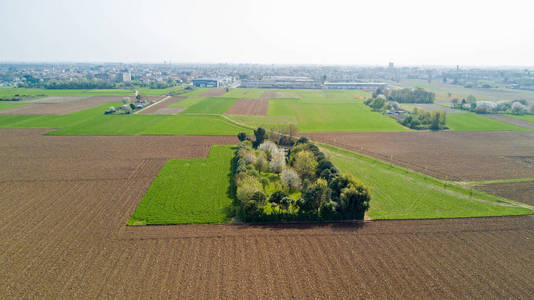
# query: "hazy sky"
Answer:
x=370 y=32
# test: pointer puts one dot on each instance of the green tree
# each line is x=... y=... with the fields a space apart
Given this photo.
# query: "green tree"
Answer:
x=260 y=135
x=305 y=164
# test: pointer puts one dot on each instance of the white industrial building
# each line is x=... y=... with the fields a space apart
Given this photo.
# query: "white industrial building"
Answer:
x=354 y=85
x=281 y=82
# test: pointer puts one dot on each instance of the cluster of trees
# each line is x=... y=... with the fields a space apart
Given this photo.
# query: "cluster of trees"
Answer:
x=516 y=107
x=303 y=184
x=421 y=119
x=417 y=95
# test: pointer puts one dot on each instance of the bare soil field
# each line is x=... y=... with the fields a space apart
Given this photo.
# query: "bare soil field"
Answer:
x=213 y=93
x=60 y=108
x=162 y=107
x=519 y=191
x=511 y=120
x=65 y=200
x=246 y=106
x=450 y=155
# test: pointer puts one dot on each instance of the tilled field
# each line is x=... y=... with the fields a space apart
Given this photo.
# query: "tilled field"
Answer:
x=162 y=107
x=60 y=107
x=64 y=202
x=246 y=106
x=519 y=191
x=213 y=93
x=450 y=155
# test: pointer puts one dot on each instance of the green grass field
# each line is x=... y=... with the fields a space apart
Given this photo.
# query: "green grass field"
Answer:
x=398 y=193
x=474 y=122
x=210 y=106
x=189 y=191
x=317 y=117
x=6 y=105
x=93 y=122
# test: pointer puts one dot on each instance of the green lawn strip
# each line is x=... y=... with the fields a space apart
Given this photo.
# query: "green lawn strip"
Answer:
x=189 y=191
x=264 y=121
x=331 y=117
x=400 y=193
x=6 y=105
x=187 y=102
x=211 y=106
x=30 y=93
x=474 y=122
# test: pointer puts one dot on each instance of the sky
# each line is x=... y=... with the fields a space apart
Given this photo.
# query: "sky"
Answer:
x=372 y=32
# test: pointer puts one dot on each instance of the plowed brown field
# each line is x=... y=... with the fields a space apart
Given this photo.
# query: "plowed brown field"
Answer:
x=64 y=202
x=246 y=106
x=519 y=191
x=452 y=155
x=60 y=108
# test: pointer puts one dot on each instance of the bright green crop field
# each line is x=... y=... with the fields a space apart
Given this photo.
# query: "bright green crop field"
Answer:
x=317 y=117
x=93 y=122
x=244 y=93
x=6 y=105
x=398 y=193
x=189 y=191
x=474 y=122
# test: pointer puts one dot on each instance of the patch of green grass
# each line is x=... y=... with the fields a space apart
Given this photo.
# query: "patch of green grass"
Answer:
x=324 y=116
x=398 y=193
x=264 y=121
x=211 y=106
x=6 y=105
x=189 y=191
x=474 y=122
x=188 y=102
x=93 y=122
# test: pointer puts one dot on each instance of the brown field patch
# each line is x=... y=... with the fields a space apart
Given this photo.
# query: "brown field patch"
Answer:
x=246 y=106
x=60 y=108
x=162 y=107
x=65 y=200
x=451 y=155
x=519 y=191
x=213 y=93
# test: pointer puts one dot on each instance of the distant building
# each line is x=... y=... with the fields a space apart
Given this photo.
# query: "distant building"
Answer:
x=126 y=76
x=354 y=85
x=281 y=82
x=206 y=83
x=391 y=65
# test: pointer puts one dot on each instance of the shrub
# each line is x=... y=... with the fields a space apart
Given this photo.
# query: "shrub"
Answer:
x=315 y=194
x=246 y=187
x=290 y=179
x=277 y=197
x=518 y=108
x=260 y=135
x=303 y=140
x=261 y=163
x=268 y=146
x=354 y=200
x=242 y=136
x=278 y=161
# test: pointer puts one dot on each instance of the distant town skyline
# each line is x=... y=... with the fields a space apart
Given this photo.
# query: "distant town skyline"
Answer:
x=426 y=33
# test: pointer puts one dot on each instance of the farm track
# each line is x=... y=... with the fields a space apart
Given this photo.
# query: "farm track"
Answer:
x=63 y=235
x=448 y=155
x=162 y=107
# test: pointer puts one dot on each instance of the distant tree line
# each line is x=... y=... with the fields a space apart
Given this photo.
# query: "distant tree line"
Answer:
x=421 y=119
x=515 y=107
x=94 y=83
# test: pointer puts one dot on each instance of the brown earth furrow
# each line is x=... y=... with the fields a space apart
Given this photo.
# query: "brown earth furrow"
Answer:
x=246 y=106
x=450 y=155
